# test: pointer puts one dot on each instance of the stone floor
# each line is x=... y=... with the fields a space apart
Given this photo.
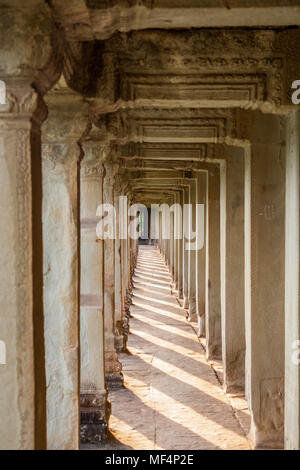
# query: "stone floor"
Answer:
x=173 y=398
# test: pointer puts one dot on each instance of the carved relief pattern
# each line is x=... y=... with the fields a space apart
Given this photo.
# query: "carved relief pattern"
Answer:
x=24 y=260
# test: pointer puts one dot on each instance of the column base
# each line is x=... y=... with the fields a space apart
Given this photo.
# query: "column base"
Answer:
x=121 y=336
x=234 y=372
x=213 y=351
x=95 y=410
x=113 y=371
x=201 y=326
x=192 y=315
x=264 y=439
x=114 y=380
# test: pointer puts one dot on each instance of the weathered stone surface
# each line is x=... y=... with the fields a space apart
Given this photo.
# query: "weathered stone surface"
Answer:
x=172 y=398
x=232 y=268
x=23 y=392
x=66 y=124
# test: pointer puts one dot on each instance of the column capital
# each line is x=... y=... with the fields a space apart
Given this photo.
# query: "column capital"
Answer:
x=66 y=126
x=93 y=169
x=22 y=104
x=111 y=170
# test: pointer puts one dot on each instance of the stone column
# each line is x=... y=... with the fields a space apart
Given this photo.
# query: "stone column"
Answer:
x=68 y=117
x=264 y=277
x=113 y=367
x=23 y=387
x=201 y=254
x=28 y=69
x=160 y=231
x=176 y=240
x=192 y=253
x=172 y=243
x=94 y=405
x=292 y=276
x=180 y=249
x=125 y=304
x=120 y=335
x=186 y=252
x=213 y=289
x=232 y=269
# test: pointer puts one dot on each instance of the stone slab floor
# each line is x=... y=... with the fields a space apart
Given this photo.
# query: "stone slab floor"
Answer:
x=173 y=398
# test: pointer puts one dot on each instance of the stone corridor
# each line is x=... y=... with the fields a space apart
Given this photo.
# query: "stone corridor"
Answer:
x=172 y=398
x=132 y=124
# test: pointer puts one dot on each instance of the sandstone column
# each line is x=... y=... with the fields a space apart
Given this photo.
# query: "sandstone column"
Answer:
x=292 y=275
x=94 y=406
x=61 y=153
x=201 y=253
x=113 y=367
x=186 y=253
x=28 y=69
x=192 y=252
x=232 y=269
x=120 y=335
x=176 y=240
x=213 y=293
x=180 y=248
x=22 y=390
x=264 y=277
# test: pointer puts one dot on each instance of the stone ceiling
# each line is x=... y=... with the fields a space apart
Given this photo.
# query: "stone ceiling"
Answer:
x=167 y=80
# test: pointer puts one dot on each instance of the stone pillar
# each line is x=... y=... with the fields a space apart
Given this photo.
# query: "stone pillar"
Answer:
x=201 y=254
x=292 y=276
x=124 y=258
x=160 y=231
x=113 y=367
x=192 y=253
x=172 y=244
x=94 y=406
x=213 y=288
x=232 y=269
x=23 y=387
x=28 y=69
x=66 y=123
x=120 y=335
x=264 y=278
x=176 y=240
x=186 y=252
x=180 y=249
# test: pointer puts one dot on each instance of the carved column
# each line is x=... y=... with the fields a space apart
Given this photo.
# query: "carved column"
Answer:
x=202 y=178
x=180 y=249
x=232 y=269
x=22 y=390
x=192 y=253
x=120 y=334
x=264 y=277
x=292 y=276
x=176 y=240
x=68 y=117
x=29 y=68
x=94 y=405
x=213 y=287
x=113 y=368
x=186 y=253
